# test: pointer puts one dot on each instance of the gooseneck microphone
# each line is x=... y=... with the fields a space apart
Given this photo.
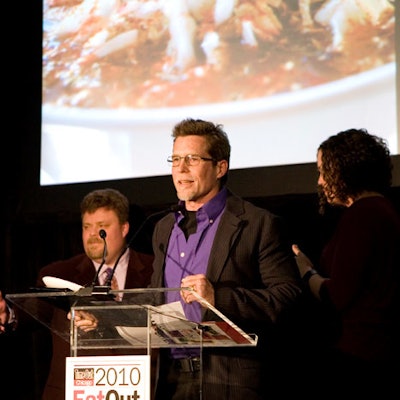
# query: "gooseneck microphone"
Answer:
x=103 y=235
x=174 y=208
x=88 y=290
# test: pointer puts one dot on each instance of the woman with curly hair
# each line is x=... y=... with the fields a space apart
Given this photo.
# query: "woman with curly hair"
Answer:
x=357 y=277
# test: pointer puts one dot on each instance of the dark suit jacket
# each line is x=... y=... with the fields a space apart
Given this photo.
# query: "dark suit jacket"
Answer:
x=80 y=269
x=256 y=284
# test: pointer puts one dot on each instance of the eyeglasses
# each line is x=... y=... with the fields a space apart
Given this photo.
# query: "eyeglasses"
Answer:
x=191 y=160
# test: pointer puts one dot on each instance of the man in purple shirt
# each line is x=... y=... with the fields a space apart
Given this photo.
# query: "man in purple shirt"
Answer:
x=232 y=254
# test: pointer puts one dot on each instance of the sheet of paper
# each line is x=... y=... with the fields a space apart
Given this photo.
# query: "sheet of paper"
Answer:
x=170 y=328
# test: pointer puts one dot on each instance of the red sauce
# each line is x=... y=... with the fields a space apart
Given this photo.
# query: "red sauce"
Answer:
x=133 y=77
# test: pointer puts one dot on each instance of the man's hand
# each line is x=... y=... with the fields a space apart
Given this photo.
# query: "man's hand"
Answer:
x=85 y=321
x=199 y=284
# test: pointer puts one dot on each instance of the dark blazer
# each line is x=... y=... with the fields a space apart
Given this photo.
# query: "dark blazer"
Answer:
x=256 y=284
x=80 y=269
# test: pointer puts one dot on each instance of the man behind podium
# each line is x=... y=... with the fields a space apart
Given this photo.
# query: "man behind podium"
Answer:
x=233 y=254
x=108 y=210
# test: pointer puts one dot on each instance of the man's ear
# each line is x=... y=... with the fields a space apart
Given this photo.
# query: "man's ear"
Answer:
x=222 y=168
x=125 y=229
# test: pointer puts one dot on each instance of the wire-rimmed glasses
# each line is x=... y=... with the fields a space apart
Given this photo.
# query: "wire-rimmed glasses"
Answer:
x=190 y=159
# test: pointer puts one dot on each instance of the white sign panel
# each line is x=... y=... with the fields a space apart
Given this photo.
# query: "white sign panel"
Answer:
x=108 y=378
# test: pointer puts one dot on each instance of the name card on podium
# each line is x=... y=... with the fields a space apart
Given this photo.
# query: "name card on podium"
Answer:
x=108 y=377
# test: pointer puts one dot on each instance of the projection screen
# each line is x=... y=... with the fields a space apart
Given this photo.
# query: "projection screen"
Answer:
x=281 y=76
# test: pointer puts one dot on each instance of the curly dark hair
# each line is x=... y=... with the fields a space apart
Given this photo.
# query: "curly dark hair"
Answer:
x=217 y=139
x=354 y=161
x=111 y=199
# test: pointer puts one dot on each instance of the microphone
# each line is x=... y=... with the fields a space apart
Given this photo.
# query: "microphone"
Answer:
x=172 y=209
x=103 y=235
x=88 y=290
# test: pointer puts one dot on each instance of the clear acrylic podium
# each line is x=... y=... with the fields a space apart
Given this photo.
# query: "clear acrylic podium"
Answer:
x=129 y=319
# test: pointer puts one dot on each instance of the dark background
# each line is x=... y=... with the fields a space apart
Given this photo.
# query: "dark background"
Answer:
x=42 y=224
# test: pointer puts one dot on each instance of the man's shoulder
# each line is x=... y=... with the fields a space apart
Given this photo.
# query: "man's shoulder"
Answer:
x=135 y=254
x=239 y=205
x=59 y=265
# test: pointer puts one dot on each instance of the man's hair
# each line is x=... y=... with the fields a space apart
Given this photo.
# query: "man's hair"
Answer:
x=110 y=199
x=354 y=161
x=217 y=140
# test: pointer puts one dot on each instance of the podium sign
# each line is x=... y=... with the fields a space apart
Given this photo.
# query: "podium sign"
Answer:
x=113 y=377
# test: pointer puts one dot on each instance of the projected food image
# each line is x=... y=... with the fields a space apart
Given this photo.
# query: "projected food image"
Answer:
x=167 y=53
